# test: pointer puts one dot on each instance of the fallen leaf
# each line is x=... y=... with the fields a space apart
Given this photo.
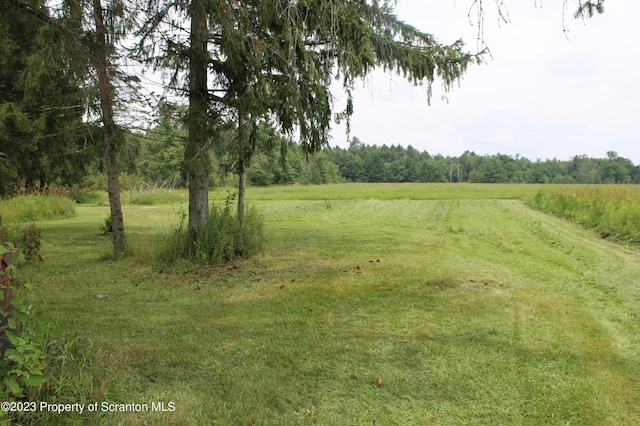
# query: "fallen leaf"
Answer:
x=380 y=383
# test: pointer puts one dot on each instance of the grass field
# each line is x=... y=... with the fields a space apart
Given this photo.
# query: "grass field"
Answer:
x=469 y=306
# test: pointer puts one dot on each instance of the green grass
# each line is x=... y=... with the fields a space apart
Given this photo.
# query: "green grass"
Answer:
x=388 y=191
x=153 y=197
x=613 y=211
x=471 y=307
x=27 y=208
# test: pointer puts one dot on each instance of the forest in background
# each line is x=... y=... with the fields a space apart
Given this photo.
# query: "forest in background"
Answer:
x=155 y=158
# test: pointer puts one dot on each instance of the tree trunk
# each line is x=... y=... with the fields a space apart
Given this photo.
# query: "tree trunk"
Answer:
x=107 y=99
x=242 y=173
x=197 y=152
x=242 y=189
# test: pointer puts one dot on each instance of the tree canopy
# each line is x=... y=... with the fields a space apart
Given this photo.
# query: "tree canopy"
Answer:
x=43 y=139
x=276 y=59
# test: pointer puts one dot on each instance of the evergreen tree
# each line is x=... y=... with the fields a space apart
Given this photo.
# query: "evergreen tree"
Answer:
x=86 y=34
x=276 y=58
x=42 y=136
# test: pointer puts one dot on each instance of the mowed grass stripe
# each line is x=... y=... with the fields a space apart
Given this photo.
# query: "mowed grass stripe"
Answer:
x=470 y=311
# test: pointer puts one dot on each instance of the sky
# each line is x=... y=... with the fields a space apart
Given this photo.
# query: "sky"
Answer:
x=544 y=93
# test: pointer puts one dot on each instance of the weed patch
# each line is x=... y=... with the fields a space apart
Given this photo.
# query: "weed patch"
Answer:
x=612 y=211
x=28 y=208
x=224 y=239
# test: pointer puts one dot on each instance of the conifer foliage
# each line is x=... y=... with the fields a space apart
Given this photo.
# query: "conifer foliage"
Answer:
x=275 y=59
x=42 y=137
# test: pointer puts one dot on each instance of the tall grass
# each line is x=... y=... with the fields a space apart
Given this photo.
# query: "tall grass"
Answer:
x=28 y=208
x=76 y=370
x=613 y=211
x=154 y=196
x=226 y=238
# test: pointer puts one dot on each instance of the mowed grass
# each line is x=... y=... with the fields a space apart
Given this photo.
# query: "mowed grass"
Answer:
x=388 y=191
x=471 y=309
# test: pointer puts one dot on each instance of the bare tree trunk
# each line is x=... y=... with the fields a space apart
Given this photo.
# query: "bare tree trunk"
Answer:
x=111 y=136
x=197 y=152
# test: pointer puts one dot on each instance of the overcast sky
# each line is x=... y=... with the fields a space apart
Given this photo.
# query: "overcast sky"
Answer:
x=543 y=94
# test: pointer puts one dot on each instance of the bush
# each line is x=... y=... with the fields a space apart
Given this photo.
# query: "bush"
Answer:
x=29 y=240
x=226 y=238
x=76 y=371
x=22 y=363
x=107 y=227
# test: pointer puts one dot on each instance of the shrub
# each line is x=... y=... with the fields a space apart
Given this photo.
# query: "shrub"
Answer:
x=46 y=360
x=107 y=227
x=22 y=363
x=226 y=238
x=75 y=371
x=30 y=242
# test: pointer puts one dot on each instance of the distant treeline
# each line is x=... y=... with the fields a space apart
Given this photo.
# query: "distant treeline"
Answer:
x=363 y=163
x=155 y=158
x=158 y=158
x=366 y=163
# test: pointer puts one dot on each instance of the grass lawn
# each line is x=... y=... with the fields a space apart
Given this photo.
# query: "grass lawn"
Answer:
x=470 y=307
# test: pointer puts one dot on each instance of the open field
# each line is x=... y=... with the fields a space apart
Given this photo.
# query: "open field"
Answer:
x=471 y=307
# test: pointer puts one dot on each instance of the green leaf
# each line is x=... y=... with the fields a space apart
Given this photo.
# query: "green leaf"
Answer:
x=35 y=380
x=12 y=323
x=12 y=337
x=19 y=257
x=14 y=387
x=22 y=316
x=3 y=249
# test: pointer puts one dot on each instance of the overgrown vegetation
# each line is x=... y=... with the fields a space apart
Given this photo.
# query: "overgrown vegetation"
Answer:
x=614 y=212
x=76 y=370
x=43 y=358
x=225 y=238
x=21 y=364
x=27 y=240
x=33 y=207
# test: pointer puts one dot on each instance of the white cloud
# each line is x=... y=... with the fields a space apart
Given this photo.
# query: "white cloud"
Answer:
x=541 y=96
